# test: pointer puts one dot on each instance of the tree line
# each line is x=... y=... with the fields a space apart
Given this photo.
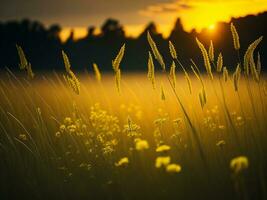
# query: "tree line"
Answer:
x=42 y=45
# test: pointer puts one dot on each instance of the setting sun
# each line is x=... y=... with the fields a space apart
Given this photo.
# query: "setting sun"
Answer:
x=211 y=27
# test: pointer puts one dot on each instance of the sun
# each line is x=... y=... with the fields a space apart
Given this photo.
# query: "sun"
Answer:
x=212 y=27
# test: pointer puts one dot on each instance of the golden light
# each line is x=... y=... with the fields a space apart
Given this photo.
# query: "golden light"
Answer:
x=208 y=12
x=79 y=32
x=212 y=27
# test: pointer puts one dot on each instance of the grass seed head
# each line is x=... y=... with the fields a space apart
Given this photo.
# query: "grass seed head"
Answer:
x=211 y=51
x=205 y=58
x=172 y=50
x=225 y=74
x=235 y=37
x=155 y=51
x=219 y=63
x=117 y=61
x=248 y=57
x=172 y=74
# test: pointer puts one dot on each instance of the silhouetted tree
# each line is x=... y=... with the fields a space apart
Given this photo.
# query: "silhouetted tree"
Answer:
x=54 y=31
x=91 y=31
x=112 y=29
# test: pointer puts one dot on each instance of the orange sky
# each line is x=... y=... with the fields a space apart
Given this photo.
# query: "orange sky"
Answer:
x=198 y=14
x=133 y=14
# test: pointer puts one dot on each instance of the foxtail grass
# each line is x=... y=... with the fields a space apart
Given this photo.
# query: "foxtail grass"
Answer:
x=70 y=78
x=116 y=67
x=205 y=58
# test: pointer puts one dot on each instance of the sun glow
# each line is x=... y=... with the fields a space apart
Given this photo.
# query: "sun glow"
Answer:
x=212 y=27
x=203 y=14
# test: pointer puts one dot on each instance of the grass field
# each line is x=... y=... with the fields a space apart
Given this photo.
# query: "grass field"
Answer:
x=201 y=138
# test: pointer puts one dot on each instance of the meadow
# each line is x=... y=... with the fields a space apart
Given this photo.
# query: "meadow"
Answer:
x=191 y=134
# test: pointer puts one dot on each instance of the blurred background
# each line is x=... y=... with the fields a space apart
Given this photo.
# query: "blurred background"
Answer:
x=93 y=31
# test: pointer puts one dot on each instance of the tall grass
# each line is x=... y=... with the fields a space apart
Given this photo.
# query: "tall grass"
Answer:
x=189 y=136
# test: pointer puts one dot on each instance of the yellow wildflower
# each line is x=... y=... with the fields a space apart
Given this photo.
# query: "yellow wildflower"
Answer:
x=67 y=120
x=162 y=161
x=173 y=168
x=238 y=164
x=141 y=144
x=163 y=148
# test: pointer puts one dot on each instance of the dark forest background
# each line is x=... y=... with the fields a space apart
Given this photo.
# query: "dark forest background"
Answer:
x=43 y=46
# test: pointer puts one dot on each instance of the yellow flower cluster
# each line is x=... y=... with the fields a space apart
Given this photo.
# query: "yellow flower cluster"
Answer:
x=72 y=126
x=105 y=127
x=131 y=129
x=165 y=161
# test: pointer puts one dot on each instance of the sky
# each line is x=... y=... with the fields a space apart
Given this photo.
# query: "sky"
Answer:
x=133 y=14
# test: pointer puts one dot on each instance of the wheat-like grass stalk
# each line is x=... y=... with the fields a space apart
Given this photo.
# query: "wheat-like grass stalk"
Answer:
x=116 y=62
x=24 y=64
x=70 y=77
x=254 y=71
x=97 y=72
x=29 y=71
x=172 y=70
x=118 y=80
x=211 y=51
x=196 y=70
x=189 y=83
x=197 y=74
x=150 y=64
x=172 y=50
x=249 y=54
x=219 y=63
x=205 y=58
x=202 y=97
x=225 y=74
x=151 y=70
x=202 y=93
x=235 y=37
x=72 y=83
x=259 y=64
x=66 y=61
x=172 y=74
x=116 y=67
x=155 y=51
x=23 y=60
x=236 y=77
